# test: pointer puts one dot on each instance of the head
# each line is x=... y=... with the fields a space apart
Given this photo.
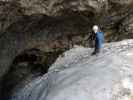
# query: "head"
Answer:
x=95 y=28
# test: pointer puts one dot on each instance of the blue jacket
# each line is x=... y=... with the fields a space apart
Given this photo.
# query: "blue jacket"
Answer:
x=99 y=39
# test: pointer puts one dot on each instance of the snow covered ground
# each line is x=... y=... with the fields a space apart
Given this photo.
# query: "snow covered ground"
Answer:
x=79 y=76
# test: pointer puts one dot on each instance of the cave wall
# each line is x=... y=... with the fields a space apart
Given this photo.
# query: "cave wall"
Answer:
x=54 y=26
x=112 y=16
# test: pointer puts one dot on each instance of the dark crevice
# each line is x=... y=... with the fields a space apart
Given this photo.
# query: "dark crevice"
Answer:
x=32 y=62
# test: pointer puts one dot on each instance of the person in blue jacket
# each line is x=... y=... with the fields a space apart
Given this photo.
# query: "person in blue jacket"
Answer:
x=99 y=39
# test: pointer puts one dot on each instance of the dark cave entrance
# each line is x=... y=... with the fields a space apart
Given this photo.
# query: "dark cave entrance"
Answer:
x=26 y=66
x=32 y=59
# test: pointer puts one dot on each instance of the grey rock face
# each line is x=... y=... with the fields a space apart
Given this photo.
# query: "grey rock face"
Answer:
x=10 y=12
x=127 y=25
x=122 y=1
x=109 y=14
x=54 y=7
x=78 y=76
x=38 y=32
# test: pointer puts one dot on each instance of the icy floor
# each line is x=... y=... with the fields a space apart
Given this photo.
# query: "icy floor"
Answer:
x=79 y=76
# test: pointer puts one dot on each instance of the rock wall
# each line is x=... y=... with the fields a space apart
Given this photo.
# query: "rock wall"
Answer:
x=109 y=14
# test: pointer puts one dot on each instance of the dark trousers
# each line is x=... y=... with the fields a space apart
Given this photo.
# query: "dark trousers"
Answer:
x=97 y=48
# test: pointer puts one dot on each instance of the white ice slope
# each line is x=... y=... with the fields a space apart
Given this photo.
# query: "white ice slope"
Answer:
x=79 y=76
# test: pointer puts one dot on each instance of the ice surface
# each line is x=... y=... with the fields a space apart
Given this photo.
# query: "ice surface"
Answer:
x=79 y=76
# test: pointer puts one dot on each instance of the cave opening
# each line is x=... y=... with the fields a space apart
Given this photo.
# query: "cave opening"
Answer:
x=26 y=66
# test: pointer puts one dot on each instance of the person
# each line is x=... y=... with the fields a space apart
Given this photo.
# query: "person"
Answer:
x=99 y=39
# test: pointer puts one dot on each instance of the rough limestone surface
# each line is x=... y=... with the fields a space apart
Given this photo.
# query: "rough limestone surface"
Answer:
x=114 y=16
x=79 y=76
x=122 y=1
x=107 y=13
